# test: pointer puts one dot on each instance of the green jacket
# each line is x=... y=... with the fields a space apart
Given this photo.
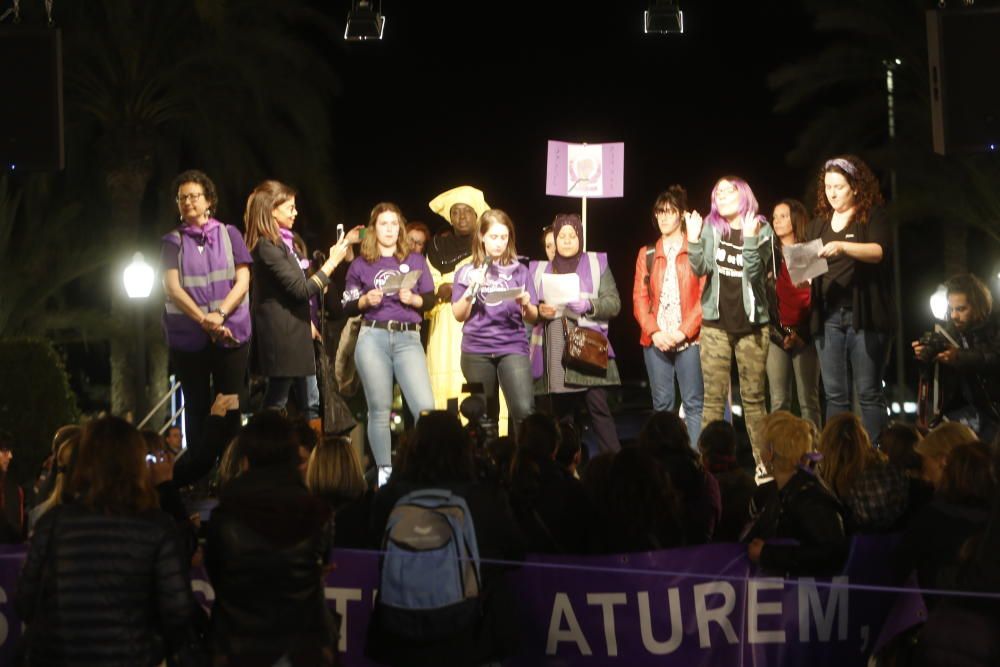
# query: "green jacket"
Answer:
x=756 y=265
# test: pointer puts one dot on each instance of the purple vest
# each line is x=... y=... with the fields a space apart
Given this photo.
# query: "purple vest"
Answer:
x=592 y=265
x=207 y=277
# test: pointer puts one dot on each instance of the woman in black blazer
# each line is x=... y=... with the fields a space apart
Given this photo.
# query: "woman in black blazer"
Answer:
x=279 y=298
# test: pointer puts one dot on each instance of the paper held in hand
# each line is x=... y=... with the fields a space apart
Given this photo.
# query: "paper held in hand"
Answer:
x=494 y=298
x=399 y=281
x=560 y=288
x=803 y=261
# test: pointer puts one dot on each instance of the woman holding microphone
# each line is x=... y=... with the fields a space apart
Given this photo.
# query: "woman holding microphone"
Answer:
x=494 y=347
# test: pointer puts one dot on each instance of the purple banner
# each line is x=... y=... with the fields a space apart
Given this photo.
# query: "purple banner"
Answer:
x=593 y=171
x=696 y=606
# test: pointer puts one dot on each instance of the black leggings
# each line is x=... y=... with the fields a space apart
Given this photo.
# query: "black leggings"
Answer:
x=203 y=374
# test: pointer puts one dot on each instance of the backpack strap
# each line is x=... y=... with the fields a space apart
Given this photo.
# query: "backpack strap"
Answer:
x=650 y=254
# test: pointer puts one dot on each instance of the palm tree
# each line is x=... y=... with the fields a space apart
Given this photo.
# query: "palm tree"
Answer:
x=43 y=248
x=229 y=86
x=844 y=88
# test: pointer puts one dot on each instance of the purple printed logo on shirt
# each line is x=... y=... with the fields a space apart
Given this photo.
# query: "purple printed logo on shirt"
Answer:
x=382 y=276
x=499 y=283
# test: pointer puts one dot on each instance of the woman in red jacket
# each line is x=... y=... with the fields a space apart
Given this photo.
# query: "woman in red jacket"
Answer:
x=666 y=301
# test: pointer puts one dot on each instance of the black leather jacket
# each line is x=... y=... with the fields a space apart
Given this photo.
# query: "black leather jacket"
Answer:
x=267 y=543
x=974 y=377
x=807 y=512
x=99 y=589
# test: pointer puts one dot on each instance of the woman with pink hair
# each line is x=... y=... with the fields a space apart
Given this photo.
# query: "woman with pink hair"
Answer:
x=732 y=249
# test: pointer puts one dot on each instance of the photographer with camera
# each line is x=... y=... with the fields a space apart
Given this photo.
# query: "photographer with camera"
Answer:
x=964 y=359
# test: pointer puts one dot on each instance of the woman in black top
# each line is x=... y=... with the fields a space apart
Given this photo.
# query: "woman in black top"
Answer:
x=280 y=297
x=852 y=303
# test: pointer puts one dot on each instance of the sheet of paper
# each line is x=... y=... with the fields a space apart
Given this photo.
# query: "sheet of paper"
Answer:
x=399 y=281
x=493 y=298
x=560 y=288
x=803 y=261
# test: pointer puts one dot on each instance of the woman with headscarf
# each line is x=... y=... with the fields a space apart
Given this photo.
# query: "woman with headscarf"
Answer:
x=598 y=302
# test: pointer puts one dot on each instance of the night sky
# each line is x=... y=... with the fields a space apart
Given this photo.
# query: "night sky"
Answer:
x=469 y=93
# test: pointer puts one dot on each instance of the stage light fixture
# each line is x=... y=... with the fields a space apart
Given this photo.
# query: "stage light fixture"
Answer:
x=663 y=17
x=364 y=21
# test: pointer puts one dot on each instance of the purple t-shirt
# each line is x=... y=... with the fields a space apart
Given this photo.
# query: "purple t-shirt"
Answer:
x=362 y=277
x=168 y=251
x=494 y=326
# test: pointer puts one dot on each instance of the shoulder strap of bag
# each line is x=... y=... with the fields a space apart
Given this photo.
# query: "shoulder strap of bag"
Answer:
x=650 y=254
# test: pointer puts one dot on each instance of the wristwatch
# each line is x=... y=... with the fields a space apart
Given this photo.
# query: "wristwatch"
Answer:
x=221 y=311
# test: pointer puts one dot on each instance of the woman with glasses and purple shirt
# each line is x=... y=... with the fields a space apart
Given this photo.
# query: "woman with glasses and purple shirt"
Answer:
x=852 y=303
x=389 y=345
x=206 y=318
x=733 y=251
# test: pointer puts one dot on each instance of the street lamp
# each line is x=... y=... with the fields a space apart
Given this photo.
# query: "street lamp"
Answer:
x=138 y=279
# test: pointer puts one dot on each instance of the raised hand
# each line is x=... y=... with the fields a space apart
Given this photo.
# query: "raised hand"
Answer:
x=693 y=222
x=338 y=251
x=751 y=223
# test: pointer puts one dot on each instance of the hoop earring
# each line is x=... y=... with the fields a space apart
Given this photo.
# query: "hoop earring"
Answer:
x=208 y=213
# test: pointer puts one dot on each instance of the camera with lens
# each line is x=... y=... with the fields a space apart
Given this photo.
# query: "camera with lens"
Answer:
x=933 y=343
x=482 y=430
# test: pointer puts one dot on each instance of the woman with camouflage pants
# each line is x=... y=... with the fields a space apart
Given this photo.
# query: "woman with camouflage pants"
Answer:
x=733 y=251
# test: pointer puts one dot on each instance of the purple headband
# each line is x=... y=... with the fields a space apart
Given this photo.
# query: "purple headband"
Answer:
x=843 y=165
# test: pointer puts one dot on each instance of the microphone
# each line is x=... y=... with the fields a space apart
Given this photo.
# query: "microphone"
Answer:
x=475 y=287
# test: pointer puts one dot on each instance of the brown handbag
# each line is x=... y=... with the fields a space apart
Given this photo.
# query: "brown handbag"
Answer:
x=586 y=350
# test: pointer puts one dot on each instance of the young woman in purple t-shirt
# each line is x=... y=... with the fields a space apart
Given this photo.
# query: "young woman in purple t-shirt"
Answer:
x=389 y=341
x=494 y=347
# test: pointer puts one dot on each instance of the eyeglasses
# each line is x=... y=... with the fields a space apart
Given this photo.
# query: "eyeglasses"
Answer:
x=191 y=197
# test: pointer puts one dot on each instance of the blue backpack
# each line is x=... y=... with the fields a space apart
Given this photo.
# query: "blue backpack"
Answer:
x=430 y=580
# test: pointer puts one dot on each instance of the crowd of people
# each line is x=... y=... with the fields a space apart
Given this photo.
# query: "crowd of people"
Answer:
x=115 y=516
x=470 y=316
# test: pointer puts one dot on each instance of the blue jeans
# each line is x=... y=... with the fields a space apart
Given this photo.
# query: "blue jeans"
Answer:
x=844 y=352
x=513 y=374
x=380 y=356
x=305 y=387
x=662 y=367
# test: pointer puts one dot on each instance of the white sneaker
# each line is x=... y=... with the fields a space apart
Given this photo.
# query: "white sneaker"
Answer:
x=384 y=472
